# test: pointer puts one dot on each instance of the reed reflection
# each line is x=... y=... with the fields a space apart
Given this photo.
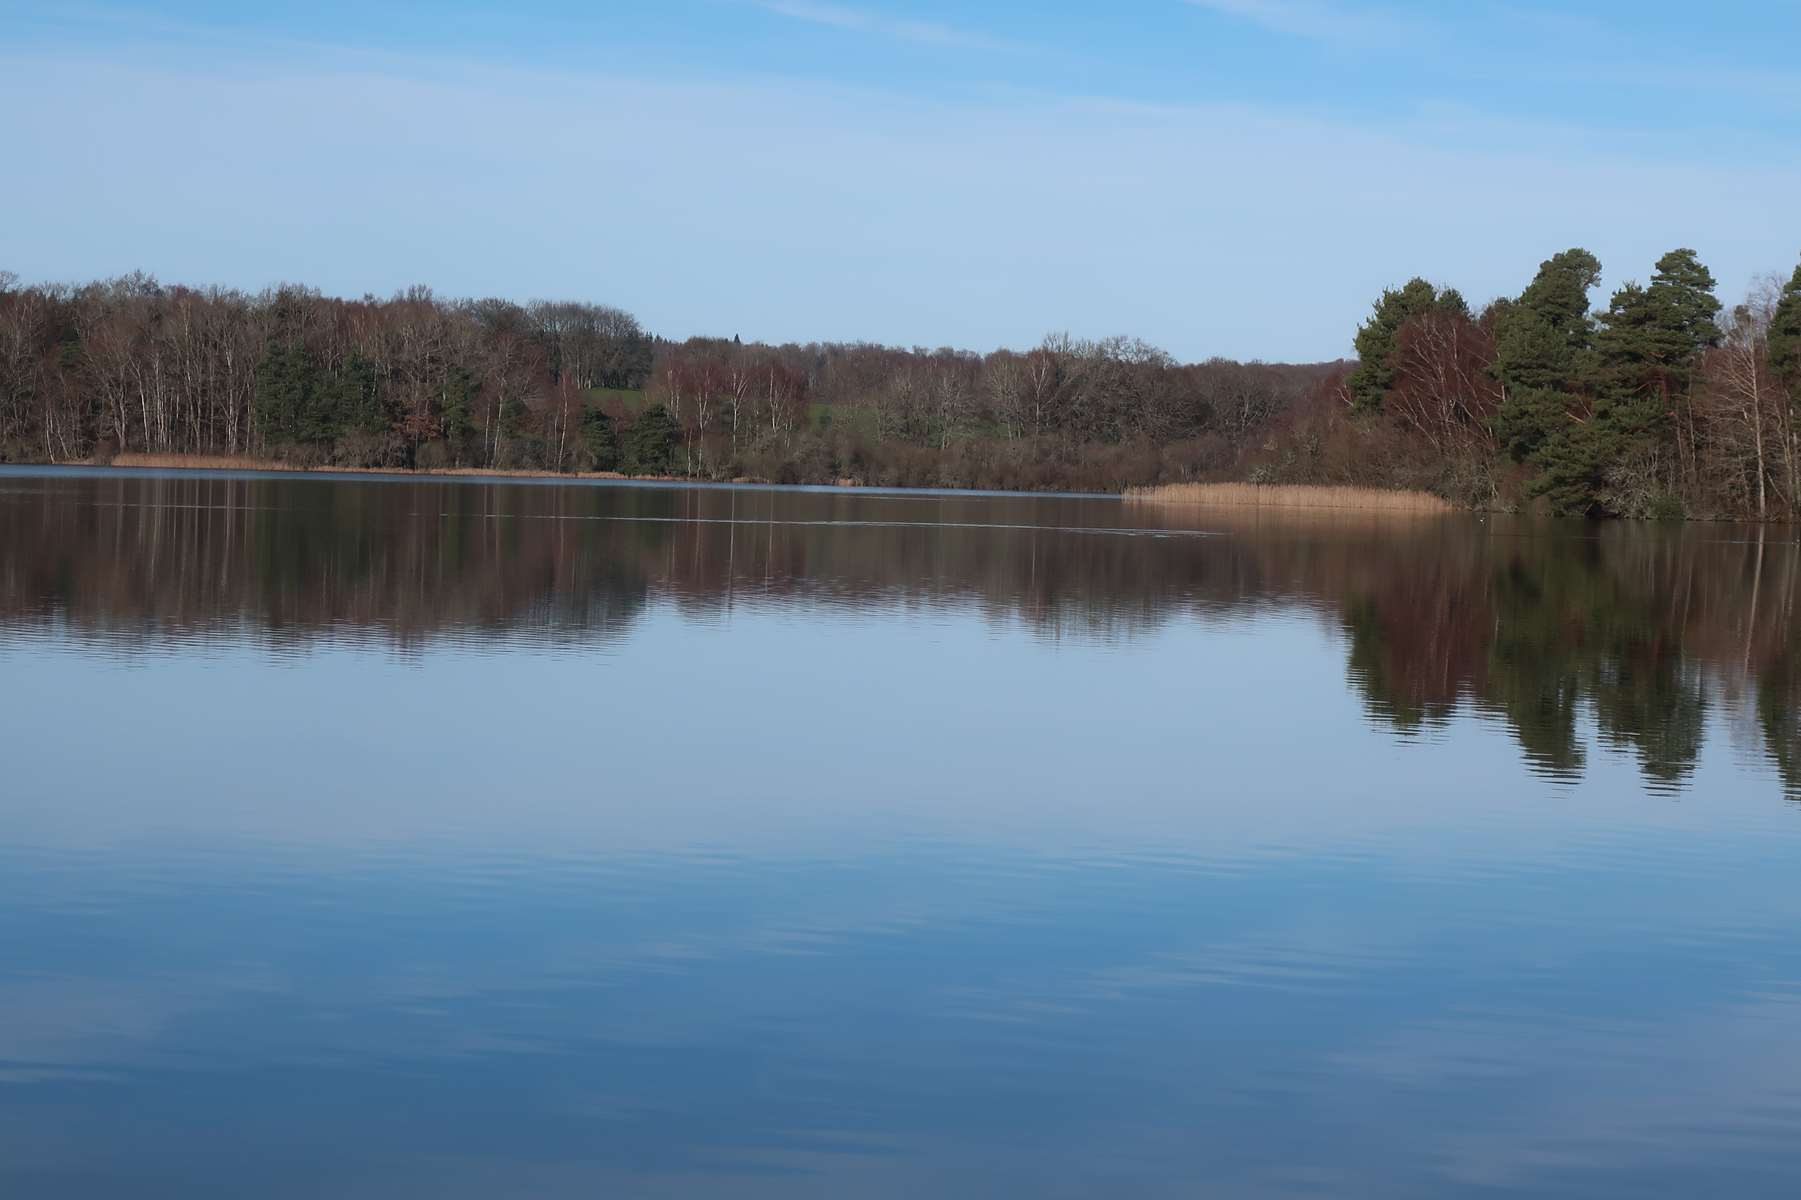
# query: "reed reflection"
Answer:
x=1644 y=630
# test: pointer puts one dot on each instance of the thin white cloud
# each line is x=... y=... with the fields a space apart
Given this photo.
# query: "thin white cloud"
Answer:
x=1558 y=46
x=1319 y=21
x=859 y=20
x=854 y=213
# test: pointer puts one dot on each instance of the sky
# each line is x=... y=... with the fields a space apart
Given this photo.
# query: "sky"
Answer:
x=1219 y=177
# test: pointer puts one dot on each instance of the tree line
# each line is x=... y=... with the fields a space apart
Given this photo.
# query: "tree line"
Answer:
x=130 y=365
x=1661 y=404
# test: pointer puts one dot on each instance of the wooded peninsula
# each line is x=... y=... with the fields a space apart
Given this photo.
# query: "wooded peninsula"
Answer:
x=1664 y=404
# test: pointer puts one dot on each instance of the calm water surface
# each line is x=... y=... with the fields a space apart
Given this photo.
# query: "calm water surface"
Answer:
x=369 y=838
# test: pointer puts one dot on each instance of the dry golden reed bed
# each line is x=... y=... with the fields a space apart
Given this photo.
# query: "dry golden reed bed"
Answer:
x=1254 y=495
x=206 y=462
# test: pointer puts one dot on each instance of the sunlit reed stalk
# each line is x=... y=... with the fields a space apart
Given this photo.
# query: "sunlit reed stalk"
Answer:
x=1292 y=496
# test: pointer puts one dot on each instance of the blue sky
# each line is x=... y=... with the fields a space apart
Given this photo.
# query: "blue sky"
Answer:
x=1233 y=177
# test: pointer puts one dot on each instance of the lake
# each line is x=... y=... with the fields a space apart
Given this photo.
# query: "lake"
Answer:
x=466 y=838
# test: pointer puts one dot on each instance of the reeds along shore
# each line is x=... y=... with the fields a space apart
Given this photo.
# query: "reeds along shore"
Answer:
x=1253 y=495
x=1219 y=495
x=204 y=462
x=240 y=462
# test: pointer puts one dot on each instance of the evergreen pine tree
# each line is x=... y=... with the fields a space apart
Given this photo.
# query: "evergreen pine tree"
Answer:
x=460 y=388
x=1545 y=361
x=1636 y=345
x=1376 y=337
x=360 y=406
x=1683 y=287
x=1784 y=339
x=651 y=442
x=1650 y=342
x=288 y=396
x=600 y=439
x=347 y=400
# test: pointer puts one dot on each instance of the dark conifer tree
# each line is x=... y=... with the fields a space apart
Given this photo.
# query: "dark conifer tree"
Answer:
x=600 y=440
x=1376 y=337
x=1785 y=336
x=651 y=442
x=1544 y=358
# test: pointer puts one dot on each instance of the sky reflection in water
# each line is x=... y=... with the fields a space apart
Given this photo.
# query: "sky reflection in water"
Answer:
x=372 y=838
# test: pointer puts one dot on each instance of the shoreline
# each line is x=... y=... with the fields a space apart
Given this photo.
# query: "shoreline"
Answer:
x=231 y=462
x=224 y=466
x=1223 y=497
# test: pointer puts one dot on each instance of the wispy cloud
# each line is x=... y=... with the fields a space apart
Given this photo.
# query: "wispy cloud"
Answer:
x=860 y=20
x=1558 y=46
x=1319 y=21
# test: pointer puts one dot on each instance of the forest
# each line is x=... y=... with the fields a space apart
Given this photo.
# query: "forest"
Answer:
x=1663 y=404
x=129 y=365
x=1660 y=405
